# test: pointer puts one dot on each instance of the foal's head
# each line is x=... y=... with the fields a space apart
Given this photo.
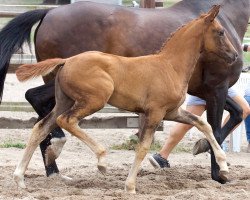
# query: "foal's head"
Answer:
x=215 y=41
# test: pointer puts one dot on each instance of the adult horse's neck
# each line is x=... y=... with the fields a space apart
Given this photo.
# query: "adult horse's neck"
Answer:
x=183 y=48
x=236 y=19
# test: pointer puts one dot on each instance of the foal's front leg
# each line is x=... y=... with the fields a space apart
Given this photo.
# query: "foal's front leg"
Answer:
x=186 y=117
x=152 y=121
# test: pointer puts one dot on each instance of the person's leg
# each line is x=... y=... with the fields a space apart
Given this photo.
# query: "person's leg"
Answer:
x=179 y=130
x=247 y=125
x=177 y=133
x=243 y=104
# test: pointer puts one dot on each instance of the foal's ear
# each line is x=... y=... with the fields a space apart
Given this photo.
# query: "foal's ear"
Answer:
x=210 y=16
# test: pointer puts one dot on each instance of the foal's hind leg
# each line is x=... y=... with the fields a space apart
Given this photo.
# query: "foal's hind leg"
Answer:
x=39 y=133
x=42 y=99
x=70 y=119
x=186 y=117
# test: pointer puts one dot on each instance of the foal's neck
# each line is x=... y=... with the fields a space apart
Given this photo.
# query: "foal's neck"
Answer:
x=183 y=49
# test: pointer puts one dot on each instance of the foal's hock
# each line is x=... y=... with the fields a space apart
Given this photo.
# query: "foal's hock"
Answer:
x=154 y=85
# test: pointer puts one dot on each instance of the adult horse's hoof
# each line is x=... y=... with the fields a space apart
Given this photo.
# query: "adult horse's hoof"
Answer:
x=201 y=146
x=19 y=180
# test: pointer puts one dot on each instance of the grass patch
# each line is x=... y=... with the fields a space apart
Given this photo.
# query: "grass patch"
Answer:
x=132 y=142
x=156 y=146
x=11 y=143
x=181 y=148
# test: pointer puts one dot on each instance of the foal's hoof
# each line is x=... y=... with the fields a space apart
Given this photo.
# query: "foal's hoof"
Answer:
x=19 y=180
x=224 y=176
x=102 y=168
x=201 y=146
x=130 y=190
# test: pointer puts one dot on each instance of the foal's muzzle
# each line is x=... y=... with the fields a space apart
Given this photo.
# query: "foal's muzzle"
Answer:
x=231 y=57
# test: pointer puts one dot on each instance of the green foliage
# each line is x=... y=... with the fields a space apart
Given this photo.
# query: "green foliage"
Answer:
x=247 y=34
x=246 y=55
x=10 y=143
x=246 y=59
x=128 y=2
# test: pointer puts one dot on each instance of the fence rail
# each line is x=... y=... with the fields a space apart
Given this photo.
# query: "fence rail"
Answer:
x=14 y=10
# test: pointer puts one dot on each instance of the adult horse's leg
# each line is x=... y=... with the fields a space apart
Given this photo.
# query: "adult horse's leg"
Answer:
x=215 y=103
x=219 y=155
x=235 y=118
x=42 y=100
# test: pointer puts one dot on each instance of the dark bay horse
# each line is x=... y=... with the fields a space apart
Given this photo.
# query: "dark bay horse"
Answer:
x=155 y=85
x=84 y=26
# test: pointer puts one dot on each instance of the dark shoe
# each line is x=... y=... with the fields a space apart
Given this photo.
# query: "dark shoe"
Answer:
x=158 y=162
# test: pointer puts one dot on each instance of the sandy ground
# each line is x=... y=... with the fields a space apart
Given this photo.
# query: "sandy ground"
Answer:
x=188 y=177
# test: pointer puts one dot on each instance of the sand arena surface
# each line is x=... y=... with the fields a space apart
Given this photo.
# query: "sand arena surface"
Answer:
x=188 y=177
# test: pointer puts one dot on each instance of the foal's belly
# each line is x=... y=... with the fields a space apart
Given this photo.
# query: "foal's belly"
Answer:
x=128 y=103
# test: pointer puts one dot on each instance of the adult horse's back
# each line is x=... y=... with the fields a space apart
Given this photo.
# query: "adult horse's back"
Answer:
x=71 y=29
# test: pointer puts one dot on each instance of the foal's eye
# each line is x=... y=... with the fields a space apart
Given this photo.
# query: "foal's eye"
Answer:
x=221 y=33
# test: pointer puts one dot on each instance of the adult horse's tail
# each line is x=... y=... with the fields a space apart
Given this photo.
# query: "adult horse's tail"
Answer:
x=26 y=72
x=12 y=37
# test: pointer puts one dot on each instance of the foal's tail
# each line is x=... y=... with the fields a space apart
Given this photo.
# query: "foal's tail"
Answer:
x=26 y=72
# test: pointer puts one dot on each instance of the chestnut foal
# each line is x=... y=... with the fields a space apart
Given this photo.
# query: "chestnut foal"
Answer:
x=155 y=85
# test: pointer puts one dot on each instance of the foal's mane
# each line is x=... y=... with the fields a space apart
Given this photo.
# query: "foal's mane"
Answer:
x=177 y=30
